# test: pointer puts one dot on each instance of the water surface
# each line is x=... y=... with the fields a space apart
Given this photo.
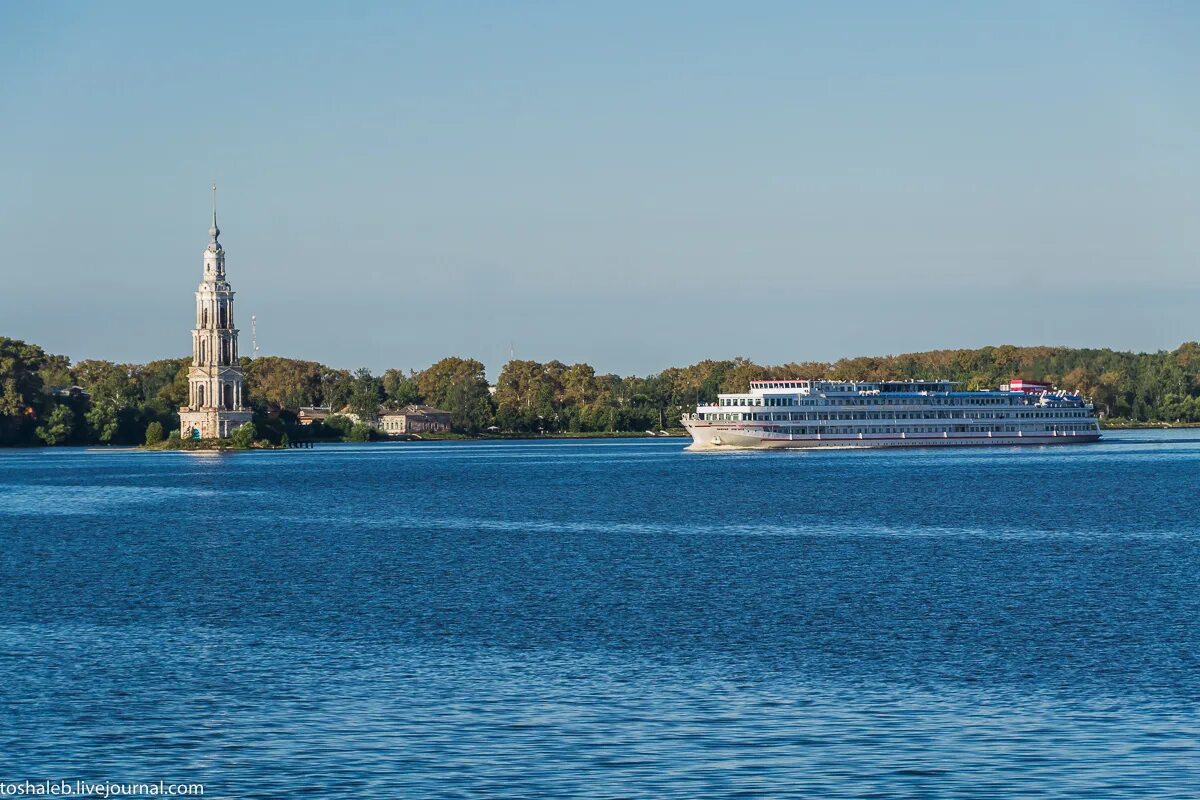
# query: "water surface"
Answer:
x=606 y=619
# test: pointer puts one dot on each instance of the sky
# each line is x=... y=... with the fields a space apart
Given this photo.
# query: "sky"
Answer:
x=634 y=185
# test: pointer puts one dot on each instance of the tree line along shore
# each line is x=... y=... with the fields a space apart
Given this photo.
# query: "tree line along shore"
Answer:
x=45 y=399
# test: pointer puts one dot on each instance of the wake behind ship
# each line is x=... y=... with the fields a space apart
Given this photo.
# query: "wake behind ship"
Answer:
x=820 y=413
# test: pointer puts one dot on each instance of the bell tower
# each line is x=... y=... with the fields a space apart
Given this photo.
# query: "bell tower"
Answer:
x=215 y=380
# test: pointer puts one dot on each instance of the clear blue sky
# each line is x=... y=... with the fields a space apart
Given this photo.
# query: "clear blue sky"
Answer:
x=634 y=185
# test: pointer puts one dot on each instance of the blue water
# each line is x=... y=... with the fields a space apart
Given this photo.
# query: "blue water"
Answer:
x=606 y=619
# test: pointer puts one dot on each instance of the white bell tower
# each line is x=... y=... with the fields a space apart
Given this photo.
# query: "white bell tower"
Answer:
x=216 y=403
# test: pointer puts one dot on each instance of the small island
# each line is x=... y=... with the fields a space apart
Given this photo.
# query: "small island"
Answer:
x=243 y=437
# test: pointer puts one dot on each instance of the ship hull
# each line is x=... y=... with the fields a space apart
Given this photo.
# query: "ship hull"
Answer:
x=718 y=437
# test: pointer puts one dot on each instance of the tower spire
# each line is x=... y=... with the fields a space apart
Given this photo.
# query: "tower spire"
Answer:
x=214 y=231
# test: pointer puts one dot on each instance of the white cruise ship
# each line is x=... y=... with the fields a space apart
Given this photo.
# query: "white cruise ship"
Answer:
x=796 y=414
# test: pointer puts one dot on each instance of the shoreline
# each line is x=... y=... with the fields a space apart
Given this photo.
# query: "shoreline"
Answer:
x=1147 y=426
x=212 y=447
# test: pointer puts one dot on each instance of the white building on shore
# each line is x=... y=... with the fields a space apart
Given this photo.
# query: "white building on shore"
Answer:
x=408 y=420
x=216 y=385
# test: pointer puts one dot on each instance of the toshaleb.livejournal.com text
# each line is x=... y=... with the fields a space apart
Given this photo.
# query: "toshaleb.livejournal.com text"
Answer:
x=103 y=789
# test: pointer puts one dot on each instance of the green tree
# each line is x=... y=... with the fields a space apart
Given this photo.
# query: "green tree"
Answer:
x=366 y=394
x=336 y=387
x=739 y=375
x=109 y=382
x=243 y=436
x=470 y=406
x=400 y=389
x=154 y=432
x=459 y=386
x=116 y=401
x=58 y=425
x=102 y=421
x=359 y=433
x=55 y=372
x=276 y=383
x=527 y=394
x=163 y=384
x=21 y=389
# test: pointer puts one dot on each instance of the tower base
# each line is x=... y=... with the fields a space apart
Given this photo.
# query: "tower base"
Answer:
x=210 y=423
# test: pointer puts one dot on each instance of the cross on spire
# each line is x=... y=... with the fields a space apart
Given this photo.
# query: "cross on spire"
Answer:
x=214 y=231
